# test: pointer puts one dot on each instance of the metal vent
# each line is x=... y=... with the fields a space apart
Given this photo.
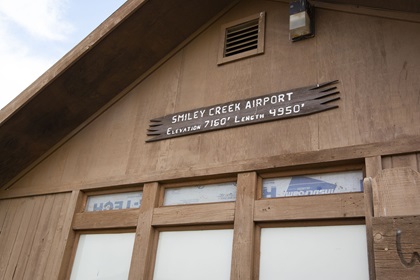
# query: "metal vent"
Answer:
x=241 y=38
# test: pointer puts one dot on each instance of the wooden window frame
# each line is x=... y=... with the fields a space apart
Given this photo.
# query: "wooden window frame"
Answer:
x=247 y=215
x=297 y=223
x=169 y=228
x=78 y=233
x=222 y=59
x=88 y=193
x=192 y=183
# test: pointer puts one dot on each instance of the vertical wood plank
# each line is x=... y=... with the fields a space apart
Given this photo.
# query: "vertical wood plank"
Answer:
x=11 y=230
x=29 y=238
x=367 y=186
x=244 y=232
x=4 y=206
x=40 y=234
x=20 y=238
x=67 y=238
x=396 y=192
x=54 y=254
x=386 y=162
x=48 y=237
x=408 y=160
x=373 y=166
x=143 y=244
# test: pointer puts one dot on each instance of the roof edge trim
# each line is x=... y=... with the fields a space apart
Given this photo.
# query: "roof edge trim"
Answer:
x=71 y=57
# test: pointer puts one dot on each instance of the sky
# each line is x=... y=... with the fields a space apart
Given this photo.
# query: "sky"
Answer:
x=35 y=34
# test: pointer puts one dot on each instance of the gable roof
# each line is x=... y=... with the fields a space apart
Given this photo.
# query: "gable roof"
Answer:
x=121 y=49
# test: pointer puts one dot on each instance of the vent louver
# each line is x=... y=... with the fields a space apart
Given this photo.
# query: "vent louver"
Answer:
x=241 y=38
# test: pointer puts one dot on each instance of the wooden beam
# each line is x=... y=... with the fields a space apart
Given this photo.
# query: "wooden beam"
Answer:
x=243 y=238
x=194 y=214
x=349 y=205
x=145 y=234
x=397 y=146
x=106 y=219
x=68 y=236
x=367 y=186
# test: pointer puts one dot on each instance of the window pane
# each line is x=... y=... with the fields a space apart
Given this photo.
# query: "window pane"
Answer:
x=317 y=184
x=115 y=201
x=324 y=253
x=192 y=255
x=200 y=194
x=103 y=256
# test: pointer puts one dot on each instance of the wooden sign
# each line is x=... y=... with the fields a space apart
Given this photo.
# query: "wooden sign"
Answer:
x=275 y=106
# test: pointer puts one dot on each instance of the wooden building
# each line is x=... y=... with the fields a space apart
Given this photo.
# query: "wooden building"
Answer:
x=153 y=150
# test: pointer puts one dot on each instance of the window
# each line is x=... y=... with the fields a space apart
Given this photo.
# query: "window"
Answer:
x=222 y=192
x=226 y=226
x=242 y=38
x=315 y=252
x=117 y=201
x=191 y=255
x=315 y=184
x=103 y=256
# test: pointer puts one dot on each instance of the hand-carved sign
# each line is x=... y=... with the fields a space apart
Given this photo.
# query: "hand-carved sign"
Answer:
x=280 y=105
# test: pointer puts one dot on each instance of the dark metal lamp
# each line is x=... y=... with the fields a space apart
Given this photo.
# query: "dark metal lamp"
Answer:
x=301 y=23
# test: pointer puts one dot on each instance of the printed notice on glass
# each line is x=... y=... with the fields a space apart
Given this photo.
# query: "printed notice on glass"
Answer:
x=116 y=201
x=317 y=184
x=200 y=194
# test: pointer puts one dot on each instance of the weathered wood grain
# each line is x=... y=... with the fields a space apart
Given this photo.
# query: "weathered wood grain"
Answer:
x=367 y=189
x=141 y=261
x=194 y=214
x=397 y=247
x=106 y=219
x=396 y=192
x=310 y=207
x=31 y=236
x=243 y=234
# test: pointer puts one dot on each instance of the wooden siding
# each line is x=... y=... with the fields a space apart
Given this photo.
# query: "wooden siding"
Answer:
x=376 y=62
x=32 y=232
x=411 y=160
x=392 y=221
x=397 y=247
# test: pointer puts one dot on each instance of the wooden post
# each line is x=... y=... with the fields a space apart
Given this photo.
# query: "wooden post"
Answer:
x=244 y=233
x=69 y=235
x=367 y=185
x=373 y=167
x=143 y=244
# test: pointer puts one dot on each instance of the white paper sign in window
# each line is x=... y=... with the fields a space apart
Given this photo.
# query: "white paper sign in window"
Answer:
x=316 y=253
x=192 y=255
x=200 y=194
x=317 y=184
x=116 y=201
x=103 y=256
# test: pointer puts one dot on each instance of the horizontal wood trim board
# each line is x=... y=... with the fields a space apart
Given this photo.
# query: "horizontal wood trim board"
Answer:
x=397 y=247
x=349 y=205
x=194 y=214
x=106 y=219
x=398 y=146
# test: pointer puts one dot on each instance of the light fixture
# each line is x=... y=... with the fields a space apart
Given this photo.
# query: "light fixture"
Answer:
x=301 y=24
